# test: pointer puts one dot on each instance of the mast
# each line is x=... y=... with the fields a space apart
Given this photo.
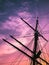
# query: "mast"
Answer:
x=35 y=42
x=35 y=54
x=36 y=34
x=21 y=51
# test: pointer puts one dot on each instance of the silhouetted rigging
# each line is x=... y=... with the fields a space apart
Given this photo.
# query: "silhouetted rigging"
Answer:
x=36 y=54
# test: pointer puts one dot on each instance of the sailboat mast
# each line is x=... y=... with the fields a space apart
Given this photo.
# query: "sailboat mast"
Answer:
x=35 y=42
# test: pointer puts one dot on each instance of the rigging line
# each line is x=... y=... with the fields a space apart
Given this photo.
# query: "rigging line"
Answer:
x=21 y=51
x=41 y=60
x=11 y=57
x=26 y=49
x=44 y=52
x=45 y=43
x=38 y=48
x=45 y=26
x=28 y=45
x=33 y=29
x=25 y=36
x=44 y=31
x=41 y=47
x=44 y=46
x=20 y=43
x=19 y=56
x=16 y=59
x=41 y=31
x=25 y=53
x=30 y=59
x=40 y=28
x=41 y=54
x=30 y=62
x=44 y=56
x=20 y=59
x=31 y=40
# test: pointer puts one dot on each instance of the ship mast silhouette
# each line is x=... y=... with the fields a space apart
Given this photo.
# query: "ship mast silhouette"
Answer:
x=36 y=54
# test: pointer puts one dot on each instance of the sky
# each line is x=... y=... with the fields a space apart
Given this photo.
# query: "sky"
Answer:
x=11 y=24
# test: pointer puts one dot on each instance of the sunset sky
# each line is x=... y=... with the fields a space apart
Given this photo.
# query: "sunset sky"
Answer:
x=11 y=24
